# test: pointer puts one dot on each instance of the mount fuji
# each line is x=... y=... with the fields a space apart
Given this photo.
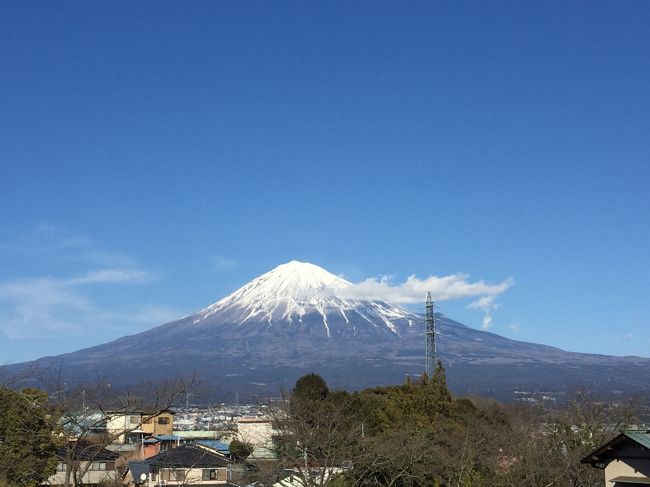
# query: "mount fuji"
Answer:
x=299 y=298
x=297 y=319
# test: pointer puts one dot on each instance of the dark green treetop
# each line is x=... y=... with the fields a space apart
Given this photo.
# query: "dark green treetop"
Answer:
x=28 y=437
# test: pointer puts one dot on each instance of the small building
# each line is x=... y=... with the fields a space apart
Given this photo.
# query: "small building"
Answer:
x=161 y=423
x=257 y=432
x=130 y=427
x=184 y=465
x=89 y=463
x=122 y=424
x=625 y=460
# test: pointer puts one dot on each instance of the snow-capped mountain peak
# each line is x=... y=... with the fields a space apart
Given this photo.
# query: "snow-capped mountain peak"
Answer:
x=299 y=292
x=300 y=280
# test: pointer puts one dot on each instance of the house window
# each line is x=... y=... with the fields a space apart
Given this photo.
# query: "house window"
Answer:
x=209 y=474
x=173 y=474
x=214 y=474
x=163 y=420
x=98 y=466
x=61 y=467
x=178 y=474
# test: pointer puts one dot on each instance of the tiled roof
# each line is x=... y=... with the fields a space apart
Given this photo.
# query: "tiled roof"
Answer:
x=642 y=437
x=86 y=451
x=188 y=456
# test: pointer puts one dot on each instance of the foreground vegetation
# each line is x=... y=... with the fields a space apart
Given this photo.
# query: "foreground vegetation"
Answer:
x=417 y=434
x=409 y=435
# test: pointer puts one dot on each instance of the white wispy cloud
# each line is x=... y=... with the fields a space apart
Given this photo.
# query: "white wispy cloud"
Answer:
x=220 y=263
x=624 y=338
x=31 y=307
x=514 y=328
x=112 y=276
x=487 y=305
x=442 y=288
x=42 y=305
x=55 y=243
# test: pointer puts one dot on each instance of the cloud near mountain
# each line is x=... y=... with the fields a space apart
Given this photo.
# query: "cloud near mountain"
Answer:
x=413 y=290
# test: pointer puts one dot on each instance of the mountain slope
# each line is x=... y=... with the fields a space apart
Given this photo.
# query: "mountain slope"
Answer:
x=293 y=320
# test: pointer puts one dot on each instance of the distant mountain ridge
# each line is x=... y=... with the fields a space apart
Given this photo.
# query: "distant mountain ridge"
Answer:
x=296 y=319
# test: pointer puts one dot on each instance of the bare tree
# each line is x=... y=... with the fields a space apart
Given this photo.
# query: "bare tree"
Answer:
x=545 y=446
x=313 y=439
x=84 y=409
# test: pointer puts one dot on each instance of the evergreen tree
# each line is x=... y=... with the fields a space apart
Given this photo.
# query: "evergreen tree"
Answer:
x=28 y=440
x=310 y=387
x=240 y=449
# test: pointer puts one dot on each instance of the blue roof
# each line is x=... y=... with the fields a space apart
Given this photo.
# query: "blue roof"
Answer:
x=168 y=437
x=220 y=446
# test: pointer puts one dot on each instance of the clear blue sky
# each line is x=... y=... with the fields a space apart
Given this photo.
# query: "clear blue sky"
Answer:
x=154 y=156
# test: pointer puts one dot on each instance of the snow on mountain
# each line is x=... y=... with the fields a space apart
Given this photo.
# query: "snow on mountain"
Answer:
x=300 y=293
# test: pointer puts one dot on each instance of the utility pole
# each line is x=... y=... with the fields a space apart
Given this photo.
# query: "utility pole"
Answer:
x=430 y=352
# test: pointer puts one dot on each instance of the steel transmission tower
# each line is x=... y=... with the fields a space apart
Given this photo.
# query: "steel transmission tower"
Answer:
x=430 y=354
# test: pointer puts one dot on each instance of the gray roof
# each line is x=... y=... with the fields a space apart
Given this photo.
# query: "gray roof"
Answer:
x=138 y=468
x=188 y=456
x=631 y=480
x=607 y=452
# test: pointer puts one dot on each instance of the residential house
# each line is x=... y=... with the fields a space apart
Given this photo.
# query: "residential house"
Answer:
x=125 y=426
x=185 y=465
x=160 y=423
x=130 y=427
x=625 y=460
x=89 y=463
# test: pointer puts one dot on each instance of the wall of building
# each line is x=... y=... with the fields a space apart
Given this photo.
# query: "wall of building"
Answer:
x=190 y=476
x=99 y=472
x=161 y=424
x=259 y=433
x=627 y=468
x=120 y=422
